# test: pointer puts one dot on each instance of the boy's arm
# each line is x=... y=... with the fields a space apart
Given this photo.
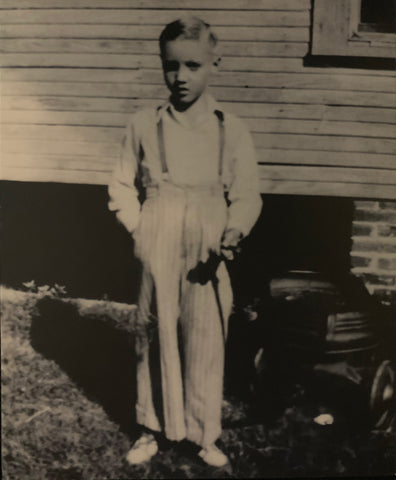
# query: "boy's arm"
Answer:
x=244 y=192
x=123 y=196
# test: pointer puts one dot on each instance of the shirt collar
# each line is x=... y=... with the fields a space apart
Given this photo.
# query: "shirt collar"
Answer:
x=212 y=107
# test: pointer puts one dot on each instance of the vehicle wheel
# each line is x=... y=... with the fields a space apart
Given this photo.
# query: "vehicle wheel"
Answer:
x=383 y=395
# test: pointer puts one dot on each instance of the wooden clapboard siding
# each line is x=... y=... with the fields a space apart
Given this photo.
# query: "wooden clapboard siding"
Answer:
x=38 y=174
x=98 y=60
x=290 y=5
x=61 y=162
x=74 y=71
x=140 y=47
x=233 y=94
x=59 y=132
x=161 y=17
x=325 y=143
x=91 y=133
x=50 y=146
x=262 y=140
x=103 y=105
x=225 y=80
x=81 y=104
x=305 y=157
x=355 y=190
x=300 y=80
x=47 y=110
x=148 y=32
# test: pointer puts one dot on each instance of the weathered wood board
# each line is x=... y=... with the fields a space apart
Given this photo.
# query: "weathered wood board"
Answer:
x=72 y=72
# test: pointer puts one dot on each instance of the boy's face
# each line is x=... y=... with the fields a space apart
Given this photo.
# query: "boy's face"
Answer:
x=187 y=65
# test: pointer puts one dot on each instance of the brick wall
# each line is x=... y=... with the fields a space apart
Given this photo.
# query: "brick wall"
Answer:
x=373 y=254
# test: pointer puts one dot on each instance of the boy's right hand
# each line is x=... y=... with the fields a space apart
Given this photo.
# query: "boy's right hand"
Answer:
x=230 y=242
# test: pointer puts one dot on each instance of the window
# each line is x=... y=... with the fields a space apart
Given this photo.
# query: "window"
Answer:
x=378 y=16
x=361 y=28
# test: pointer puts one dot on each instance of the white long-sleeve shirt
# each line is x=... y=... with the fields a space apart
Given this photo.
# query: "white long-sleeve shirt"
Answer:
x=192 y=154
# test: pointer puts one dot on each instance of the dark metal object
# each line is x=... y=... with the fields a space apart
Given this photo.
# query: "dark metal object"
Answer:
x=319 y=329
x=382 y=394
x=312 y=312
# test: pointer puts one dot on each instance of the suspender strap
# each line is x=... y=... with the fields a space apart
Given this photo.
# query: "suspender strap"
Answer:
x=161 y=143
x=161 y=146
x=220 y=118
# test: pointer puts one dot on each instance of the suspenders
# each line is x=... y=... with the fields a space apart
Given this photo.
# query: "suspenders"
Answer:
x=220 y=118
x=161 y=143
x=161 y=146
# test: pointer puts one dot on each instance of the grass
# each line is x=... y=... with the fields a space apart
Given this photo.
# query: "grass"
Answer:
x=67 y=408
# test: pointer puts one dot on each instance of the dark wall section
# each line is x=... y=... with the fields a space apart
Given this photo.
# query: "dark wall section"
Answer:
x=296 y=233
x=65 y=234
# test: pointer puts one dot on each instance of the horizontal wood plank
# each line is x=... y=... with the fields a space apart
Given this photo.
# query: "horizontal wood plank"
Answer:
x=60 y=162
x=55 y=175
x=318 y=81
x=350 y=129
x=269 y=186
x=75 y=104
x=57 y=147
x=320 y=76
x=97 y=133
x=278 y=172
x=143 y=47
x=114 y=112
x=262 y=140
x=331 y=174
x=161 y=17
x=127 y=61
x=149 y=32
x=34 y=117
x=79 y=60
x=323 y=188
x=319 y=158
x=379 y=51
x=293 y=5
x=316 y=158
x=61 y=132
x=270 y=95
x=325 y=143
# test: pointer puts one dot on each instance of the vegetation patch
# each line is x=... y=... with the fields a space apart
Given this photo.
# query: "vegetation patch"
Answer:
x=67 y=407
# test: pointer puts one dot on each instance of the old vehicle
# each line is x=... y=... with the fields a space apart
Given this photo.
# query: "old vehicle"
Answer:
x=329 y=336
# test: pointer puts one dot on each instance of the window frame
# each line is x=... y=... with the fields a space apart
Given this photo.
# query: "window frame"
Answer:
x=336 y=32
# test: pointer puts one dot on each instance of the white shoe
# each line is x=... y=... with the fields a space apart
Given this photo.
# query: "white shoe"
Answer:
x=143 y=449
x=213 y=456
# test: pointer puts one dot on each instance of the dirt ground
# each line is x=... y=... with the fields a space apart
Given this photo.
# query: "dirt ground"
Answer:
x=67 y=406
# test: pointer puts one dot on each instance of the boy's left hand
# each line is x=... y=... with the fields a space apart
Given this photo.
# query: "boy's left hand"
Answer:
x=229 y=243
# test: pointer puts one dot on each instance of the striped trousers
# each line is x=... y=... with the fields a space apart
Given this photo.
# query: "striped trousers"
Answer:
x=192 y=298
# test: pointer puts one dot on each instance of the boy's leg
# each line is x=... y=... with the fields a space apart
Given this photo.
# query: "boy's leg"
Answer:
x=204 y=342
x=167 y=295
x=145 y=410
x=145 y=447
x=159 y=239
x=167 y=298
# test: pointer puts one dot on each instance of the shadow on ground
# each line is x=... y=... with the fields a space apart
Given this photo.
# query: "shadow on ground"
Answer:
x=98 y=357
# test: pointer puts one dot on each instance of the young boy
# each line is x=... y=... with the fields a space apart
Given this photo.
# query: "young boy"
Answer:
x=186 y=157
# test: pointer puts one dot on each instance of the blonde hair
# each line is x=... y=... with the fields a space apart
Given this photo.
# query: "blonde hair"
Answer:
x=189 y=28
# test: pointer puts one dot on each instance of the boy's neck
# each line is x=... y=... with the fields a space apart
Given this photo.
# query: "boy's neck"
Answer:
x=193 y=112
